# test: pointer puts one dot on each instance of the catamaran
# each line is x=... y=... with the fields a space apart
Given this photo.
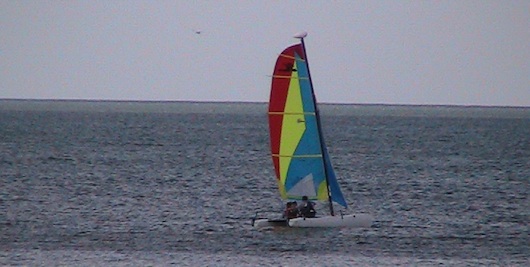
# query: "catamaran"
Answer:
x=299 y=154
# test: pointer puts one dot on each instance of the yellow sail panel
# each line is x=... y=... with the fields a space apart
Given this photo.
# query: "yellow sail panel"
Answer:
x=293 y=125
x=322 y=194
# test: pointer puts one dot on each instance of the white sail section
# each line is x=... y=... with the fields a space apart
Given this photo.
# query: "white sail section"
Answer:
x=306 y=187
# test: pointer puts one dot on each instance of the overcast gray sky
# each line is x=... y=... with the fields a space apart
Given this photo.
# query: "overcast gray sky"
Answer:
x=390 y=52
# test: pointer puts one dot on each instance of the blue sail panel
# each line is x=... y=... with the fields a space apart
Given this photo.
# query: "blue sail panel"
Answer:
x=306 y=175
x=334 y=188
x=305 y=86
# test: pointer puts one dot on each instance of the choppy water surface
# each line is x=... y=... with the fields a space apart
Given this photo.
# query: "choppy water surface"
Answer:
x=107 y=183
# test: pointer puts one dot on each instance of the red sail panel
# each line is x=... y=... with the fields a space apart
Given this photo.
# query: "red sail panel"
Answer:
x=279 y=88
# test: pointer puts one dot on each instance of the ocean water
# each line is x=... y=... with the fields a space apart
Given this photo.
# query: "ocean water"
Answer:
x=157 y=184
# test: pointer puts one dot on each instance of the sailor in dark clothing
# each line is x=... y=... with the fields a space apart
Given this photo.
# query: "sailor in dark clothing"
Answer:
x=291 y=210
x=307 y=208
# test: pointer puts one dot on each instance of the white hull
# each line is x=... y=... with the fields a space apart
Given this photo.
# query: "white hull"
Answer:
x=353 y=220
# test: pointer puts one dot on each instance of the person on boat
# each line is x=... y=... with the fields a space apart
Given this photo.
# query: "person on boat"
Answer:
x=291 y=210
x=307 y=208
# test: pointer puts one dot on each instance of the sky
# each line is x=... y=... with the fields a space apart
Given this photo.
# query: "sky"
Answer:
x=473 y=52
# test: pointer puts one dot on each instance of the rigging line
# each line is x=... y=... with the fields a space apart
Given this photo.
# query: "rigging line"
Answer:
x=291 y=57
x=297 y=156
x=289 y=77
x=290 y=113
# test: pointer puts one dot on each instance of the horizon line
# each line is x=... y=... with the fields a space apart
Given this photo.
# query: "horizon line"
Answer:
x=252 y=102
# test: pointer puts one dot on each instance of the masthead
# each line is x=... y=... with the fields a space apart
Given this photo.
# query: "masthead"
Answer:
x=300 y=35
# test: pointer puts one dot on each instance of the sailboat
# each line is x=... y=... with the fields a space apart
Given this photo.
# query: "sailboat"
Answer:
x=299 y=154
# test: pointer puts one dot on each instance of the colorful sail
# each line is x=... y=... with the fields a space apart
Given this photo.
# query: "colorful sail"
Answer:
x=300 y=158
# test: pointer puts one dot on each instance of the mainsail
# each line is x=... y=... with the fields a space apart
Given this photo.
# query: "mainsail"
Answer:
x=300 y=157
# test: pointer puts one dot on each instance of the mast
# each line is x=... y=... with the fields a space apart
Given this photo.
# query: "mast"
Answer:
x=301 y=36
